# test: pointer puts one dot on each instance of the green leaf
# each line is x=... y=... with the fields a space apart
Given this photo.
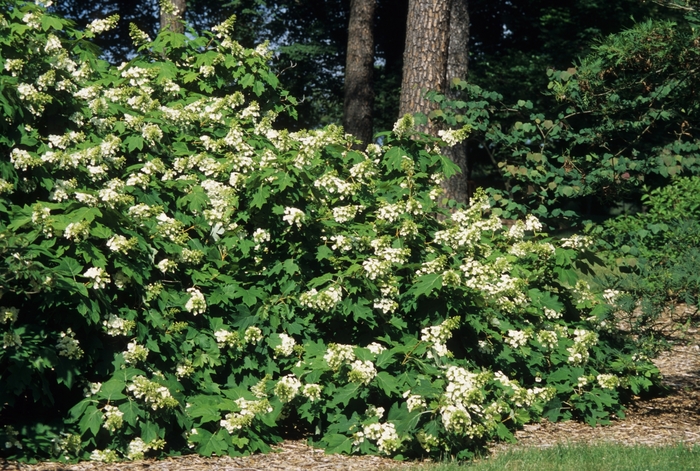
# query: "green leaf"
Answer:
x=387 y=383
x=338 y=443
x=426 y=283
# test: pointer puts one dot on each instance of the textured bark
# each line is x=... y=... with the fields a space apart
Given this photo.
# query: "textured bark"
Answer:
x=174 y=22
x=359 y=69
x=425 y=54
x=457 y=187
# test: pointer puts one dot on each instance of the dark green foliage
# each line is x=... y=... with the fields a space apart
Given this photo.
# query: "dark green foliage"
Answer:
x=628 y=117
x=656 y=257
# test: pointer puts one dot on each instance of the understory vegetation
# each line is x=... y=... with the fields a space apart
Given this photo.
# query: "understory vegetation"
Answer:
x=180 y=275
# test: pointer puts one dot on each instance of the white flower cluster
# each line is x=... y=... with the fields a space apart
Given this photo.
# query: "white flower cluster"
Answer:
x=8 y=314
x=376 y=348
x=171 y=228
x=222 y=202
x=435 y=265
x=362 y=372
x=414 y=401
x=152 y=393
x=334 y=186
x=260 y=236
x=252 y=335
x=135 y=353
x=287 y=388
x=437 y=335
x=608 y=381
x=121 y=244
x=11 y=339
x=312 y=391
x=294 y=216
x=343 y=214
x=383 y=434
x=342 y=243
x=577 y=241
x=184 y=369
x=548 y=339
x=226 y=338
x=196 y=304
x=77 y=231
x=167 y=266
x=104 y=456
x=405 y=125
x=113 y=417
x=611 y=295
x=452 y=137
x=517 y=338
x=322 y=300
x=115 y=325
x=366 y=170
x=376 y=268
x=137 y=447
x=68 y=346
x=286 y=347
x=386 y=305
x=191 y=256
x=338 y=354
x=583 y=340
x=235 y=421
x=6 y=187
x=102 y=25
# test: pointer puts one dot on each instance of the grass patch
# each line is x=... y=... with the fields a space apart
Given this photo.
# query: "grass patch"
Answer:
x=606 y=457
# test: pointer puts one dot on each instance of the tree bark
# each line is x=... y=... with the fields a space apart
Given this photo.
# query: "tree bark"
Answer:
x=173 y=21
x=425 y=55
x=437 y=38
x=359 y=70
x=457 y=186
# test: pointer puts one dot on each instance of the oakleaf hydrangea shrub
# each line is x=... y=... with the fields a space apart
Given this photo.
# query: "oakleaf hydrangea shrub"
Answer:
x=181 y=276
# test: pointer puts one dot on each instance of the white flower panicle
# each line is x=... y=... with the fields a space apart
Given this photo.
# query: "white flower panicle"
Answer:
x=312 y=391
x=115 y=325
x=135 y=353
x=113 y=418
x=196 y=304
x=338 y=354
x=152 y=393
x=236 y=421
x=322 y=300
x=294 y=216
x=286 y=347
x=362 y=372
x=287 y=388
x=68 y=346
x=384 y=435
x=438 y=335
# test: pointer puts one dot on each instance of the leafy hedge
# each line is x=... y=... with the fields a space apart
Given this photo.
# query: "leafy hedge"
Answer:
x=181 y=276
x=627 y=119
x=656 y=258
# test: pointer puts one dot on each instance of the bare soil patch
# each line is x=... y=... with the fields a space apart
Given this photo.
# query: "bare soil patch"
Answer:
x=669 y=419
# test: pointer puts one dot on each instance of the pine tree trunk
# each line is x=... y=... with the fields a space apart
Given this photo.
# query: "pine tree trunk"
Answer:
x=174 y=22
x=359 y=69
x=457 y=66
x=425 y=54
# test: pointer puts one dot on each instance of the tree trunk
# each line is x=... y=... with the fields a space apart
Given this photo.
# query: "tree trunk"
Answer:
x=173 y=19
x=359 y=69
x=457 y=187
x=437 y=38
x=425 y=55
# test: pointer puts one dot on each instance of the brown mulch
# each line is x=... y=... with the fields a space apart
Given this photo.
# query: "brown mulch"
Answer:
x=670 y=419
